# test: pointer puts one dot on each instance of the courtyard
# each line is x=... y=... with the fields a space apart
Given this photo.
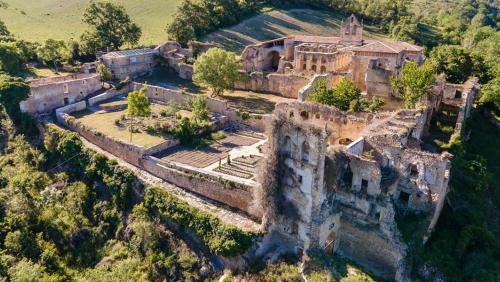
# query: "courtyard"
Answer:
x=109 y=118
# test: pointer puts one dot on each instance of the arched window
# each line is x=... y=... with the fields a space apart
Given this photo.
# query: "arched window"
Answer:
x=313 y=68
x=304 y=67
x=305 y=151
x=323 y=69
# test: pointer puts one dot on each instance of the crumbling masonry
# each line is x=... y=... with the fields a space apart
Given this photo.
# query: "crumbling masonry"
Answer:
x=335 y=180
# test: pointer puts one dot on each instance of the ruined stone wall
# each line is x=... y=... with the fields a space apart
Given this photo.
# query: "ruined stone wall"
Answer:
x=370 y=249
x=108 y=95
x=164 y=95
x=129 y=66
x=339 y=125
x=51 y=93
x=231 y=194
x=377 y=80
x=286 y=85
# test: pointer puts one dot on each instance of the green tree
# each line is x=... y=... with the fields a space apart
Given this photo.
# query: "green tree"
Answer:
x=3 y=29
x=217 y=69
x=12 y=59
x=455 y=61
x=138 y=106
x=345 y=96
x=490 y=94
x=110 y=27
x=198 y=105
x=104 y=73
x=53 y=52
x=13 y=90
x=414 y=82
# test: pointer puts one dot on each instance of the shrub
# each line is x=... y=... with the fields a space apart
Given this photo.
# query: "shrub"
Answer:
x=219 y=238
x=219 y=135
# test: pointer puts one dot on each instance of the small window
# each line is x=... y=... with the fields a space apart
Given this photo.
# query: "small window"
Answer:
x=313 y=68
x=84 y=82
x=318 y=116
x=66 y=100
x=404 y=197
x=65 y=88
x=413 y=171
x=458 y=94
x=364 y=186
x=300 y=179
x=290 y=114
x=304 y=66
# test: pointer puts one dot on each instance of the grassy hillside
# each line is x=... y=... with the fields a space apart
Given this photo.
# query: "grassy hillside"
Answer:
x=279 y=23
x=38 y=20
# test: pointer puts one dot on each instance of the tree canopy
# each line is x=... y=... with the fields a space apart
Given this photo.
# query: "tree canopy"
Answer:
x=110 y=27
x=217 y=69
x=414 y=83
x=453 y=60
x=53 y=52
x=345 y=96
x=138 y=103
x=12 y=60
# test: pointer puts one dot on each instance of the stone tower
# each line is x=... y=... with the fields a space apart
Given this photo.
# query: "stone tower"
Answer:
x=351 y=31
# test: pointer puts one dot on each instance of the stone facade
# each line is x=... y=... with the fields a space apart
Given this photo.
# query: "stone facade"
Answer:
x=130 y=63
x=342 y=178
x=369 y=63
x=47 y=94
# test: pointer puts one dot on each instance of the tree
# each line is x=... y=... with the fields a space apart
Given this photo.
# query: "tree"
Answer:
x=198 y=105
x=217 y=69
x=104 y=73
x=138 y=106
x=414 y=82
x=345 y=96
x=490 y=94
x=13 y=90
x=3 y=29
x=12 y=59
x=110 y=27
x=53 y=52
x=455 y=61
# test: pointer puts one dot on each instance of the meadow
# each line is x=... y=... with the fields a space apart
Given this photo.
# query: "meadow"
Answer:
x=38 y=20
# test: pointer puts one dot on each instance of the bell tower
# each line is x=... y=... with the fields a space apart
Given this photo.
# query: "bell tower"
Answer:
x=351 y=31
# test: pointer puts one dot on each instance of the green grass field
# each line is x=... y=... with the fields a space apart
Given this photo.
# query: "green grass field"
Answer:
x=37 y=20
x=280 y=23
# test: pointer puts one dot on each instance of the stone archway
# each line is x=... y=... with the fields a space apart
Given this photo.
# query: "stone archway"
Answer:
x=273 y=61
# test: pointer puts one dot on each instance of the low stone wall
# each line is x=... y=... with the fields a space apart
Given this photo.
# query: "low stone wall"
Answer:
x=224 y=191
x=164 y=95
x=108 y=95
x=61 y=113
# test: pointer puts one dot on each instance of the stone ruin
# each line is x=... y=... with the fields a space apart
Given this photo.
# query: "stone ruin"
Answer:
x=336 y=181
x=283 y=66
x=330 y=180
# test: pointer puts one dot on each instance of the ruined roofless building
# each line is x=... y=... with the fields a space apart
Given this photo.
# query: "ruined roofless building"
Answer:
x=276 y=64
x=335 y=181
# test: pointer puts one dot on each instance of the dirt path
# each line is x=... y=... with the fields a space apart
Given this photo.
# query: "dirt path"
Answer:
x=226 y=216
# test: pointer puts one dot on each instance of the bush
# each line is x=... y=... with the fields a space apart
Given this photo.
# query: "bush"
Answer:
x=220 y=239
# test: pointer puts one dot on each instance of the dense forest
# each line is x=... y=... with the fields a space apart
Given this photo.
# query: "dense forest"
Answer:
x=68 y=213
